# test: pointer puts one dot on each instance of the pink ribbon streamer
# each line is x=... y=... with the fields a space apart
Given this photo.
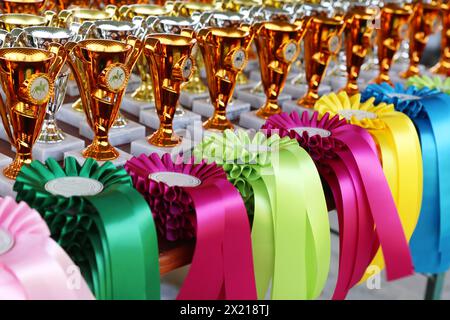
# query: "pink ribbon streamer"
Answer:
x=35 y=267
x=222 y=264
x=368 y=218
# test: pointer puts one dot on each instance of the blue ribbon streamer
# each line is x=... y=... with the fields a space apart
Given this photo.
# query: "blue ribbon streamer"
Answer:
x=430 y=243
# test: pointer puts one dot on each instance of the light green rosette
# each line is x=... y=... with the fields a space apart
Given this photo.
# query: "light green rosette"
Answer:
x=435 y=82
x=283 y=193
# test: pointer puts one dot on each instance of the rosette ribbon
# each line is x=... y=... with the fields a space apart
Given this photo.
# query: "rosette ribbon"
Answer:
x=399 y=151
x=282 y=189
x=196 y=201
x=429 y=110
x=435 y=82
x=346 y=157
x=32 y=265
x=103 y=223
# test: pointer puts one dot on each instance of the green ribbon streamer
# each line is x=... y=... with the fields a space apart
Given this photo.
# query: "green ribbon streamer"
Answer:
x=110 y=235
x=435 y=82
x=282 y=190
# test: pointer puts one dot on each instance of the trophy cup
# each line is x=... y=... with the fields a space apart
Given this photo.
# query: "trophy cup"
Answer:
x=67 y=4
x=122 y=131
x=443 y=66
x=27 y=77
x=424 y=22
x=24 y=6
x=51 y=141
x=278 y=45
x=75 y=18
x=172 y=25
x=322 y=41
x=358 y=37
x=171 y=64
x=102 y=69
x=10 y=21
x=142 y=97
x=394 y=27
x=225 y=52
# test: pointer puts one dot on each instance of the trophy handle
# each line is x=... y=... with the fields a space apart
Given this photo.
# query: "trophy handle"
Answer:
x=64 y=19
x=151 y=44
x=4 y=116
x=124 y=12
x=50 y=18
x=61 y=57
x=113 y=11
x=138 y=46
x=178 y=8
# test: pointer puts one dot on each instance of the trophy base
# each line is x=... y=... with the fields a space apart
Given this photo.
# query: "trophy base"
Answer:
x=187 y=99
x=258 y=99
x=234 y=109
x=118 y=162
x=245 y=86
x=69 y=115
x=290 y=106
x=197 y=133
x=133 y=106
x=255 y=75
x=3 y=135
x=6 y=184
x=298 y=91
x=117 y=136
x=43 y=151
x=133 y=83
x=338 y=84
x=142 y=146
x=250 y=120
x=368 y=76
x=150 y=119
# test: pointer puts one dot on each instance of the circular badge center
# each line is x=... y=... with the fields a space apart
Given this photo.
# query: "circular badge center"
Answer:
x=175 y=179
x=403 y=96
x=6 y=241
x=116 y=78
x=312 y=131
x=40 y=88
x=74 y=186
x=358 y=114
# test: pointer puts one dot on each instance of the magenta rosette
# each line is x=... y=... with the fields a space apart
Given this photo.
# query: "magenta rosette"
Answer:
x=347 y=159
x=196 y=201
x=32 y=265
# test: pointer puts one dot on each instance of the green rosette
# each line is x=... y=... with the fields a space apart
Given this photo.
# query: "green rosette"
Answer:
x=283 y=192
x=435 y=82
x=101 y=221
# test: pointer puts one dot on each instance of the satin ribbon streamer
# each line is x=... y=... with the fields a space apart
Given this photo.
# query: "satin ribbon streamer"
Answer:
x=399 y=151
x=208 y=208
x=32 y=265
x=104 y=224
x=435 y=82
x=429 y=110
x=283 y=192
x=346 y=157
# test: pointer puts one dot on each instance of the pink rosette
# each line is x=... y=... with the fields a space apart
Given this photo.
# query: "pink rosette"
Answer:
x=209 y=210
x=347 y=159
x=32 y=265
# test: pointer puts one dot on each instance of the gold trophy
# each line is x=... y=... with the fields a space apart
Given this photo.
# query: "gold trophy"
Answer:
x=278 y=45
x=24 y=6
x=27 y=77
x=358 y=41
x=424 y=22
x=225 y=52
x=102 y=69
x=76 y=17
x=393 y=29
x=443 y=66
x=144 y=92
x=322 y=42
x=67 y=4
x=10 y=21
x=171 y=64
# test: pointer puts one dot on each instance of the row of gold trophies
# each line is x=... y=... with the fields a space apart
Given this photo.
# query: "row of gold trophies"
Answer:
x=100 y=47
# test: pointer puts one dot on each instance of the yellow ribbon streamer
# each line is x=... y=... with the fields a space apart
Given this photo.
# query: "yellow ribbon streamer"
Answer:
x=399 y=152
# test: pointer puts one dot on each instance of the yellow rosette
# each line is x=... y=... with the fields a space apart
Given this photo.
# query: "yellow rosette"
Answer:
x=399 y=152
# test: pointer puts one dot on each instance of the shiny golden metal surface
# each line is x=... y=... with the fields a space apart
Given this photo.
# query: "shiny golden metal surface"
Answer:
x=10 y=21
x=23 y=6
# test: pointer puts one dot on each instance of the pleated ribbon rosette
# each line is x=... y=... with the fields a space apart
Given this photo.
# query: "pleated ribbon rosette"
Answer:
x=398 y=148
x=103 y=223
x=346 y=157
x=195 y=200
x=436 y=82
x=430 y=111
x=32 y=265
x=282 y=189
